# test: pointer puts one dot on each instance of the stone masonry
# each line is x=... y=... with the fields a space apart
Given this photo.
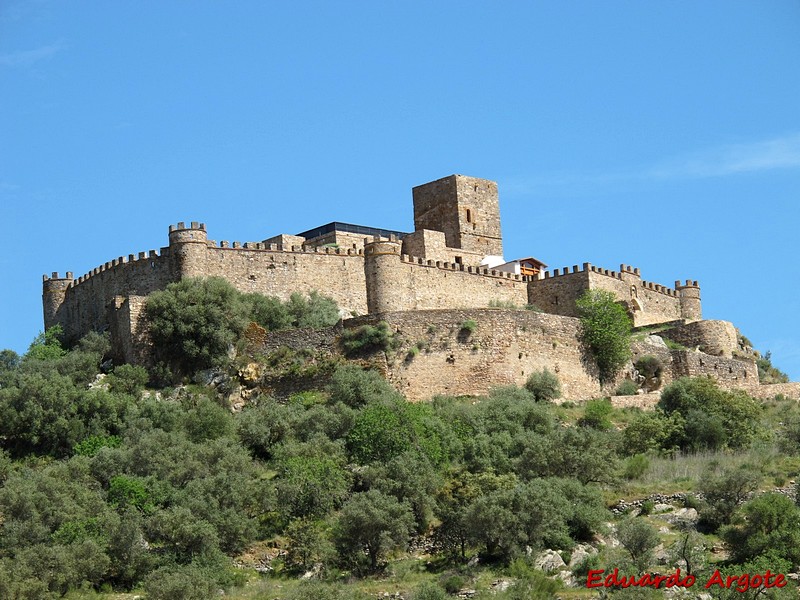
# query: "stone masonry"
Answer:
x=450 y=262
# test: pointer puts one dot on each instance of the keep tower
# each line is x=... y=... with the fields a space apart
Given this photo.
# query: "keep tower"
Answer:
x=466 y=209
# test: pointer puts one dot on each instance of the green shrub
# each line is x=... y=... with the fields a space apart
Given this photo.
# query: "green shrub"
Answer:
x=494 y=303
x=308 y=544
x=320 y=590
x=355 y=387
x=606 y=330
x=207 y=420
x=180 y=583
x=769 y=523
x=672 y=345
x=9 y=360
x=429 y=590
x=193 y=323
x=468 y=327
x=366 y=338
x=590 y=563
x=128 y=491
x=268 y=311
x=724 y=492
x=544 y=386
x=639 y=538
x=315 y=311
x=47 y=345
x=627 y=388
x=646 y=508
x=712 y=418
x=595 y=414
x=369 y=525
x=649 y=431
x=636 y=466
x=454 y=584
x=92 y=444
x=128 y=379
x=767 y=373
x=649 y=366
x=691 y=501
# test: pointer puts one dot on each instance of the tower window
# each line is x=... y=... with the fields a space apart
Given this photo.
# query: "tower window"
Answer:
x=469 y=216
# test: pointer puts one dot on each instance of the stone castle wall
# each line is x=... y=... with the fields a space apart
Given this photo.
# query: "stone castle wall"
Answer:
x=435 y=355
x=92 y=302
x=398 y=282
x=339 y=275
x=718 y=338
x=111 y=297
x=505 y=347
x=649 y=303
x=729 y=373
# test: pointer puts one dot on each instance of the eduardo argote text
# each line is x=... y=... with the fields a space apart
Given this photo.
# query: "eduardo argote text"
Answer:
x=741 y=583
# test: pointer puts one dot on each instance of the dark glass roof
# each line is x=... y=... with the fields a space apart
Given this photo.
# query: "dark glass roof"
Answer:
x=350 y=228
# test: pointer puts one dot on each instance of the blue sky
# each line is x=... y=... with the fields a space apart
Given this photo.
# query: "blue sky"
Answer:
x=665 y=135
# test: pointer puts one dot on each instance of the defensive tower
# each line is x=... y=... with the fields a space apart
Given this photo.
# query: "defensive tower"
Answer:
x=466 y=209
x=189 y=249
x=689 y=295
x=54 y=289
x=383 y=270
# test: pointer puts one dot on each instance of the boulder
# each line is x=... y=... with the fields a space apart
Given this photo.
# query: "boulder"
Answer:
x=581 y=553
x=549 y=561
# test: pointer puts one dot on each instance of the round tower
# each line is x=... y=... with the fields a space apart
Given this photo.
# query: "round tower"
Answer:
x=54 y=290
x=689 y=297
x=383 y=270
x=188 y=249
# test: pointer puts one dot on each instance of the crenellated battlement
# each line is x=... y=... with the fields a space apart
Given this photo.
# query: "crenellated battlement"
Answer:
x=182 y=226
x=625 y=272
x=689 y=284
x=448 y=266
x=121 y=261
x=55 y=277
x=264 y=247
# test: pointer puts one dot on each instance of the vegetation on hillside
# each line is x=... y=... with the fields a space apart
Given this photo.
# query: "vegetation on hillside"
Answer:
x=195 y=323
x=106 y=485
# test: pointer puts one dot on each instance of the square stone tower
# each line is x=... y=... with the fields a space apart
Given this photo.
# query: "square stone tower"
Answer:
x=466 y=209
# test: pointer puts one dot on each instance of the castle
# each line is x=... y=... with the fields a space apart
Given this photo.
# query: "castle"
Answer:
x=453 y=260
